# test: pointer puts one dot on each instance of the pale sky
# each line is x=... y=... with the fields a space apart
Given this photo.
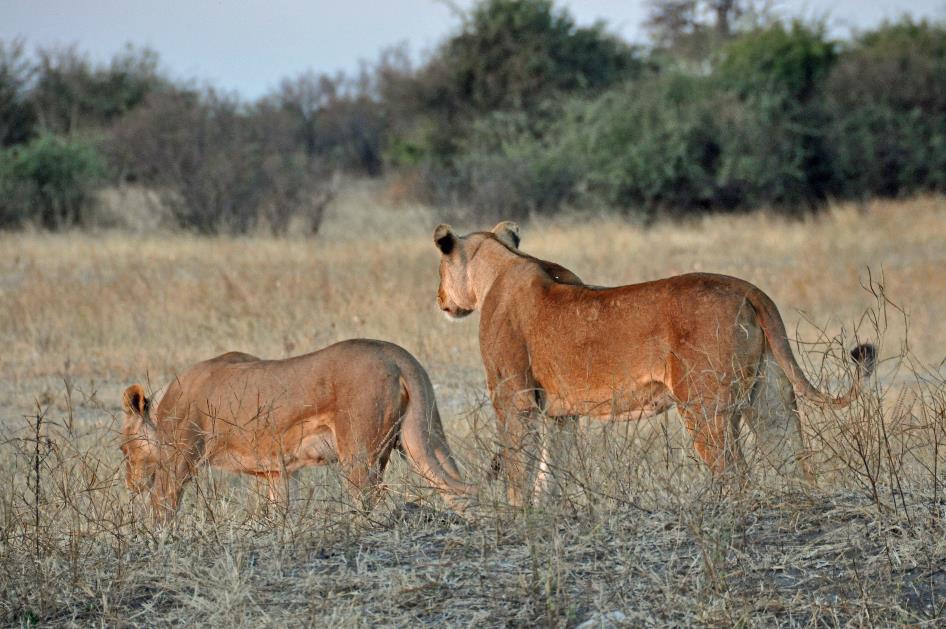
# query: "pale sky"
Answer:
x=249 y=45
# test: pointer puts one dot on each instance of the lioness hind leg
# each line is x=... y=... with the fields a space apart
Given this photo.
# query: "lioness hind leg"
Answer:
x=773 y=417
x=715 y=438
x=364 y=473
x=709 y=400
x=558 y=444
x=364 y=484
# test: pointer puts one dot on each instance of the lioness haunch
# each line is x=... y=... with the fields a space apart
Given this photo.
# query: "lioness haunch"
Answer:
x=352 y=402
x=713 y=346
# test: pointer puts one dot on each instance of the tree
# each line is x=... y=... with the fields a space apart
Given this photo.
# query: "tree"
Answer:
x=70 y=93
x=692 y=29
x=335 y=119
x=513 y=54
x=17 y=115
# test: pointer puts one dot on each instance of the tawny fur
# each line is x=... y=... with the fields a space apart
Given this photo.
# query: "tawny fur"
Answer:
x=352 y=402
x=712 y=346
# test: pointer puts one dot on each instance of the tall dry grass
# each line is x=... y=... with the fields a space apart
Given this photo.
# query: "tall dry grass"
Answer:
x=642 y=535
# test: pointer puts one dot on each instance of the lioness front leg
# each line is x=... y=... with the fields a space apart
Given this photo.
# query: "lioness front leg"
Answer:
x=518 y=439
x=773 y=417
x=281 y=486
x=517 y=423
x=166 y=496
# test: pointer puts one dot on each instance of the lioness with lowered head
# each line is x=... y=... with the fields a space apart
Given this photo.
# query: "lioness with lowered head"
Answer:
x=713 y=346
x=352 y=402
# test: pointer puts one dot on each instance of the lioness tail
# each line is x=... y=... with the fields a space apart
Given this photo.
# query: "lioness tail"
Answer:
x=423 y=439
x=864 y=355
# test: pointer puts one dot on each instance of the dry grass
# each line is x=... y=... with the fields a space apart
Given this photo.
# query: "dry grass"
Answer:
x=643 y=532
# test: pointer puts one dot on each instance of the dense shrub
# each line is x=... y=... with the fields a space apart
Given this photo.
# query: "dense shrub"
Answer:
x=220 y=168
x=777 y=65
x=778 y=154
x=648 y=145
x=506 y=169
x=879 y=151
x=48 y=183
x=643 y=146
x=901 y=65
x=751 y=132
x=888 y=111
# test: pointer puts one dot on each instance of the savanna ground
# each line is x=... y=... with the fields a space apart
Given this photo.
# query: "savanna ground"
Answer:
x=644 y=535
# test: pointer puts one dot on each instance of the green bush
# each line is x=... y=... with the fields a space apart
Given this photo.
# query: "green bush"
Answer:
x=879 y=151
x=784 y=118
x=776 y=153
x=507 y=169
x=751 y=133
x=48 y=183
x=672 y=144
x=900 y=65
x=648 y=145
x=777 y=65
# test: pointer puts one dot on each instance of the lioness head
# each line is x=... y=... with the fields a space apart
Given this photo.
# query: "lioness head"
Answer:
x=139 y=441
x=455 y=296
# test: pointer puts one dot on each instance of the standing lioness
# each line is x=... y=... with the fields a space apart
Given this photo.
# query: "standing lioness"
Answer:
x=352 y=402
x=714 y=346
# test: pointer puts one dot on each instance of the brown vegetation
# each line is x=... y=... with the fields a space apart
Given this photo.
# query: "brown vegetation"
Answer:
x=642 y=530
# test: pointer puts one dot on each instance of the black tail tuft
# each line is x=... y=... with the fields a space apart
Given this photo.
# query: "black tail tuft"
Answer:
x=865 y=355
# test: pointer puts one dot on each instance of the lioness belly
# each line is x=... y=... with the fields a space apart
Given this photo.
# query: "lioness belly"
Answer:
x=315 y=447
x=641 y=400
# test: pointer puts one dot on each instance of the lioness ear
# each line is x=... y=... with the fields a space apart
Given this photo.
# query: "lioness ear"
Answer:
x=444 y=238
x=508 y=233
x=134 y=400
